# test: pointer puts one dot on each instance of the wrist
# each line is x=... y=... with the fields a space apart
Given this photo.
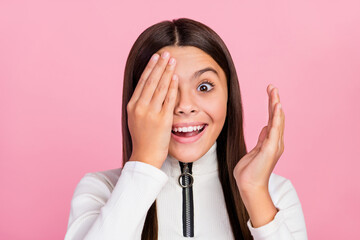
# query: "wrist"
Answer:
x=253 y=195
x=145 y=160
x=253 y=189
x=259 y=206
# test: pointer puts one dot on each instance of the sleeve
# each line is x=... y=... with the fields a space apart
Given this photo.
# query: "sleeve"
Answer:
x=98 y=213
x=289 y=221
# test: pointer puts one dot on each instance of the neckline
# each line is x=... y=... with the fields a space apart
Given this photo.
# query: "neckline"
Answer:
x=204 y=165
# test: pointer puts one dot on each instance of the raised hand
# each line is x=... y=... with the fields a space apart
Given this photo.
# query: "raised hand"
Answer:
x=253 y=171
x=150 y=110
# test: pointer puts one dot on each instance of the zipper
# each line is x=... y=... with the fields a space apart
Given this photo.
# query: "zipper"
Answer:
x=186 y=181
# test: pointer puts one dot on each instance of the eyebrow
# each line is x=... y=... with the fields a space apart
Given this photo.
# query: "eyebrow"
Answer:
x=201 y=71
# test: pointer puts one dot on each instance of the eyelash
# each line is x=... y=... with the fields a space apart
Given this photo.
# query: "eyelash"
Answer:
x=210 y=83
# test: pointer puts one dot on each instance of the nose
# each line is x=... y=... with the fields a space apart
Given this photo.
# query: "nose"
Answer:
x=185 y=104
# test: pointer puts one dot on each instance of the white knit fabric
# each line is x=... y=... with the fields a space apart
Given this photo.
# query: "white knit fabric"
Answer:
x=113 y=204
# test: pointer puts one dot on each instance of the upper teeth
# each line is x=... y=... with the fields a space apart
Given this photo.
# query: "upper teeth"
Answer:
x=188 y=129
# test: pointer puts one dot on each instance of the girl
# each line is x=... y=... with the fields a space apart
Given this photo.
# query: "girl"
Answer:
x=186 y=170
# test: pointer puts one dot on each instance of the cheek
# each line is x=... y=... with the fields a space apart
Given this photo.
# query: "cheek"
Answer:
x=216 y=110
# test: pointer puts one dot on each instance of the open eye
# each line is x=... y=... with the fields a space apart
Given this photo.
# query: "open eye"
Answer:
x=204 y=86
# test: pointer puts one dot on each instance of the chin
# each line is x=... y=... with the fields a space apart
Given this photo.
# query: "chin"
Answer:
x=186 y=158
x=186 y=152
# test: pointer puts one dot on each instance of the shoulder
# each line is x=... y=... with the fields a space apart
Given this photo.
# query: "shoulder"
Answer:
x=104 y=182
x=92 y=192
x=101 y=182
x=109 y=177
x=282 y=191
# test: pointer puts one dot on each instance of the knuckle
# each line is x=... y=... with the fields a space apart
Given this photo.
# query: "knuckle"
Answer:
x=129 y=107
x=274 y=130
x=272 y=150
x=149 y=81
x=148 y=67
x=174 y=87
x=152 y=117
x=141 y=80
x=157 y=68
x=277 y=148
x=161 y=87
x=139 y=110
x=169 y=69
x=164 y=67
x=169 y=99
x=269 y=148
x=164 y=60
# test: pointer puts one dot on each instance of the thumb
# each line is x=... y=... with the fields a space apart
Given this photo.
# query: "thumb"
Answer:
x=262 y=137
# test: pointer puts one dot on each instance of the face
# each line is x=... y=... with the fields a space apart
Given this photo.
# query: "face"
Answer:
x=197 y=101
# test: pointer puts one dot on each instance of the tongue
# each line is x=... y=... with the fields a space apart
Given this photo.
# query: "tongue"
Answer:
x=186 y=134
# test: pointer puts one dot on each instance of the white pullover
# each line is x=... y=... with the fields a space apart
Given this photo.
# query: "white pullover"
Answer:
x=113 y=204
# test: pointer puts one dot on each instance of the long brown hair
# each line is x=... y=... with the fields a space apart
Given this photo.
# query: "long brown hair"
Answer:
x=230 y=142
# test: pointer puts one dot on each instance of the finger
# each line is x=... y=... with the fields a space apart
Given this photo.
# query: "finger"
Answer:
x=170 y=99
x=153 y=79
x=262 y=137
x=282 y=121
x=282 y=128
x=274 y=132
x=163 y=86
x=273 y=100
x=145 y=74
x=271 y=92
x=268 y=89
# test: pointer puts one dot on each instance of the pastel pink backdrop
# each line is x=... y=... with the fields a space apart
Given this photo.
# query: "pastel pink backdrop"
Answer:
x=61 y=72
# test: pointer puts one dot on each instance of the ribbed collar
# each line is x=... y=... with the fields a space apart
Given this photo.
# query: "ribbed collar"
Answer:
x=204 y=165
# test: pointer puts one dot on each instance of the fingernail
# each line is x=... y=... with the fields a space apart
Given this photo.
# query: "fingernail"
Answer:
x=165 y=54
x=172 y=61
x=155 y=57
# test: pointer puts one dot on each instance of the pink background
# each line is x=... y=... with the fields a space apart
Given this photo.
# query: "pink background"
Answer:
x=61 y=72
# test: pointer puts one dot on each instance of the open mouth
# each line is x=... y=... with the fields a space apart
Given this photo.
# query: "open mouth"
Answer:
x=189 y=134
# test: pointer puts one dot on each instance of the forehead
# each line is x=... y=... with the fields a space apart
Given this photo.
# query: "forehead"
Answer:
x=190 y=59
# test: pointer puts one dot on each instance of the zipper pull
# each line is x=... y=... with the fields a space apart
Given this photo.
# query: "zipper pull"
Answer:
x=186 y=174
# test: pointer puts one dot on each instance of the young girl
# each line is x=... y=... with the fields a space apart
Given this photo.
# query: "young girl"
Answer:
x=186 y=170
